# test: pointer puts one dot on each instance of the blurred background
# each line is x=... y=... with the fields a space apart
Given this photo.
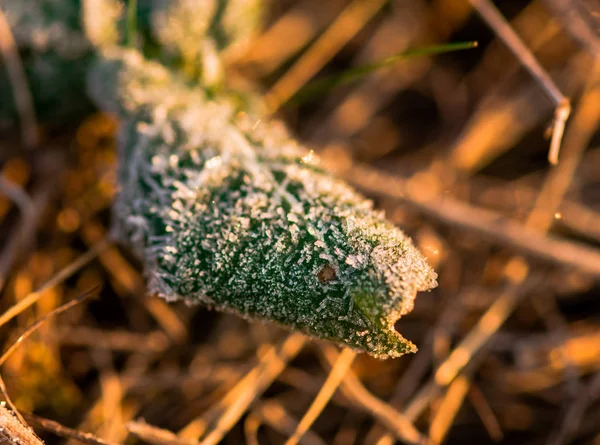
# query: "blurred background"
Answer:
x=453 y=147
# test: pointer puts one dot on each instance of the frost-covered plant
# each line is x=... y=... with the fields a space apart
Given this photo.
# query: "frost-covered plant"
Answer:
x=59 y=39
x=55 y=53
x=227 y=210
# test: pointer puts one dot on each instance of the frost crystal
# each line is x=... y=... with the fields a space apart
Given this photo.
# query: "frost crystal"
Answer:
x=237 y=216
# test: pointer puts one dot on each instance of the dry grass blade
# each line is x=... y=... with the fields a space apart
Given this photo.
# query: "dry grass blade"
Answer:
x=18 y=196
x=63 y=431
x=572 y=419
x=32 y=209
x=56 y=279
x=237 y=401
x=446 y=412
x=154 y=435
x=297 y=27
x=485 y=328
x=516 y=270
x=276 y=416
x=349 y=22
x=20 y=89
x=68 y=305
x=492 y=16
x=337 y=373
x=396 y=422
x=476 y=220
x=584 y=125
x=485 y=413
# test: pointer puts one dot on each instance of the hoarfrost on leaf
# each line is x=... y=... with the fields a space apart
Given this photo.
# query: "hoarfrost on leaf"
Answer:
x=223 y=207
x=250 y=227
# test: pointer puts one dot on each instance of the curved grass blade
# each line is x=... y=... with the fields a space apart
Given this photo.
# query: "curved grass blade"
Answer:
x=329 y=82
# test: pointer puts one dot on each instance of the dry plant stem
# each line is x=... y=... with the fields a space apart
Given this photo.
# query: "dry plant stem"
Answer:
x=126 y=275
x=19 y=196
x=485 y=328
x=398 y=424
x=516 y=271
x=118 y=340
x=237 y=401
x=68 y=305
x=154 y=435
x=337 y=373
x=575 y=412
x=10 y=402
x=505 y=116
x=135 y=367
x=63 y=431
x=360 y=107
x=451 y=404
x=23 y=232
x=12 y=431
x=575 y=216
x=111 y=396
x=494 y=19
x=484 y=222
x=297 y=27
x=251 y=426
x=583 y=127
x=20 y=89
x=547 y=309
x=418 y=367
x=273 y=413
x=485 y=412
x=65 y=273
x=347 y=24
x=460 y=388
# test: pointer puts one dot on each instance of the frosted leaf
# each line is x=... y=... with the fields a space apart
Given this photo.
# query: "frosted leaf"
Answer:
x=245 y=224
x=224 y=208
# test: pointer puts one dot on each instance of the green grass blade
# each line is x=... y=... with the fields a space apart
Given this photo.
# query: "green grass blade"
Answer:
x=131 y=23
x=327 y=83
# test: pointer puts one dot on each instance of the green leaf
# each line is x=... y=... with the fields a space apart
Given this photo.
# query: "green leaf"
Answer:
x=226 y=210
x=319 y=86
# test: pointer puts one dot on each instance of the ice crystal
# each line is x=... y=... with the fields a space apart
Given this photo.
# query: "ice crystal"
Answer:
x=228 y=211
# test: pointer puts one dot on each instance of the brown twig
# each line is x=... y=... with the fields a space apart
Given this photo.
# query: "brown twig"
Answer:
x=237 y=401
x=154 y=435
x=576 y=410
x=18 y=79
x=10 y=403
x=494 y=19
x=68 y=305
x=62 y=275
x=64 y=431
x=583 y=127
x=337 y=373
x=477 y=220
x=276 y=416
x=398 y=424
x=15 y=432
x=485 y=413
